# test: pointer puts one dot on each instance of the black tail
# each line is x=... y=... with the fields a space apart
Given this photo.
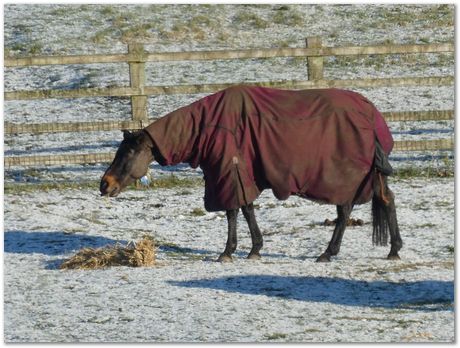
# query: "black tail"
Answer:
x=379 y=222
x=382 y=169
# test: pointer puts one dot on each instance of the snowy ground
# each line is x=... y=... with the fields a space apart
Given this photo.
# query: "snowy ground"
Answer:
x=359 y=297
x=286 y=296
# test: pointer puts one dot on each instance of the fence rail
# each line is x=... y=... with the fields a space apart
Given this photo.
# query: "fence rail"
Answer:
x=138 y=91
x=140 y=55
x=209 y=88
x=107 y=157
x=95 y=126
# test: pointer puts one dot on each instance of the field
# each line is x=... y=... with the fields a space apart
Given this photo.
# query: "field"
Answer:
x=286 y=296
x=50 y=213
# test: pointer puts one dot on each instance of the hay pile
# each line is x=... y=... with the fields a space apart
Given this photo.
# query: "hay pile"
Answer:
x=141 y=253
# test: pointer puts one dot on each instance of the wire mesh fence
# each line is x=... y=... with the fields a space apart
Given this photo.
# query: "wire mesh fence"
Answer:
x=136 y=57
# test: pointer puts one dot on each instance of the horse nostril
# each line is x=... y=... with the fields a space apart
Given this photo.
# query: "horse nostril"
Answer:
x=103 y=187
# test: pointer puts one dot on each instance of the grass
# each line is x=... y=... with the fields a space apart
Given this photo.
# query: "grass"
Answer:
x=379 y=62
x=196 y=28
x=312 y=330
x=441 y=204
x=26 y=49
x=173 y=181
x=101 y=36
x=288 y=17
x=404 y=267
x=10 y=188
x=172 y=250
x=204 y=21
x=247 y=19
x=197 y=212
x=200 y=21
x=438 y=16
x=170 y=181
x=36 y=48
x=425 y=225
x=137 y=32
x=124 y=27
x=276 y=336
x=361 y=318
x=290 y=204
x=427 y=172
x=108 y=11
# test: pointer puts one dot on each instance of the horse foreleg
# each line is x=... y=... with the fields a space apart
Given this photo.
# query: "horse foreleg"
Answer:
x=343 y=213
x=256 y=236
x=230 y=247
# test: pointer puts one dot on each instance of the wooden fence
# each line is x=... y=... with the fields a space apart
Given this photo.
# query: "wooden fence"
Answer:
x=138 y=91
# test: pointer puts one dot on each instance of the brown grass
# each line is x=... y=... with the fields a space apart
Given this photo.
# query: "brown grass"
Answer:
x=141 y=253
x=350 y=222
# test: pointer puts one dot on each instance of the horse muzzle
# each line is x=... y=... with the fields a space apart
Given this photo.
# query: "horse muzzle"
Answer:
x=109 y=187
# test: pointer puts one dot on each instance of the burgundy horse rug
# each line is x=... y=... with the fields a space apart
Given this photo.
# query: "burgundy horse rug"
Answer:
x=319 y=144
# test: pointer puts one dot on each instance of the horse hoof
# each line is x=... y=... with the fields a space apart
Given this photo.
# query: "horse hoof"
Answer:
x=224 y=258
x=394 y=257
x=324 y=258
x=255 y=256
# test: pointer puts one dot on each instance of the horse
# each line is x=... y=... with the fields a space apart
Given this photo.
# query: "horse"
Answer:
x=325 y=145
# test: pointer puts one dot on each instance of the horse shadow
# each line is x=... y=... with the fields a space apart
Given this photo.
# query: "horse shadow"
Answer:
x=426 y=295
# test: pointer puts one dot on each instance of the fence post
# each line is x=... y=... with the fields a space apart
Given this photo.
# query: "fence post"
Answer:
x=315 y=64
x=137 y=80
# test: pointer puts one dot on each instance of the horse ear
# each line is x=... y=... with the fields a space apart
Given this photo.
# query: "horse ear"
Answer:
x=126 y=134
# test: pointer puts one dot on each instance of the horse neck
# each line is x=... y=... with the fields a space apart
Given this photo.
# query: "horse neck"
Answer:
x=153 y=147
x=175 y=135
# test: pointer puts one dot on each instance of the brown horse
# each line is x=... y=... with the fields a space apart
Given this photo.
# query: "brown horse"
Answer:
x=325 y=145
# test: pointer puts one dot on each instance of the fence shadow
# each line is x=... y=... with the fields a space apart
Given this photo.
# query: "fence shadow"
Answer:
x=395 y=157
x=58 y=243
x=426 y=295
x=51 y=243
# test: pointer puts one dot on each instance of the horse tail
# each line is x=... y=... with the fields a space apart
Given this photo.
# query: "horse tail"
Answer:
x=380 y=200
x=379 y=220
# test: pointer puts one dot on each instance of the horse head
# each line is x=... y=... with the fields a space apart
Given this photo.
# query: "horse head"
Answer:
x=131 y=162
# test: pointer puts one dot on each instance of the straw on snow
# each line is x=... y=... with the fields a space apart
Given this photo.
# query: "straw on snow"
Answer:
x=141 y=253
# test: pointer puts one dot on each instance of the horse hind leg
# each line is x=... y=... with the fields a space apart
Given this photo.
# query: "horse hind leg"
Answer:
x=256 y=236
x=343 y=213
x=384 y=217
